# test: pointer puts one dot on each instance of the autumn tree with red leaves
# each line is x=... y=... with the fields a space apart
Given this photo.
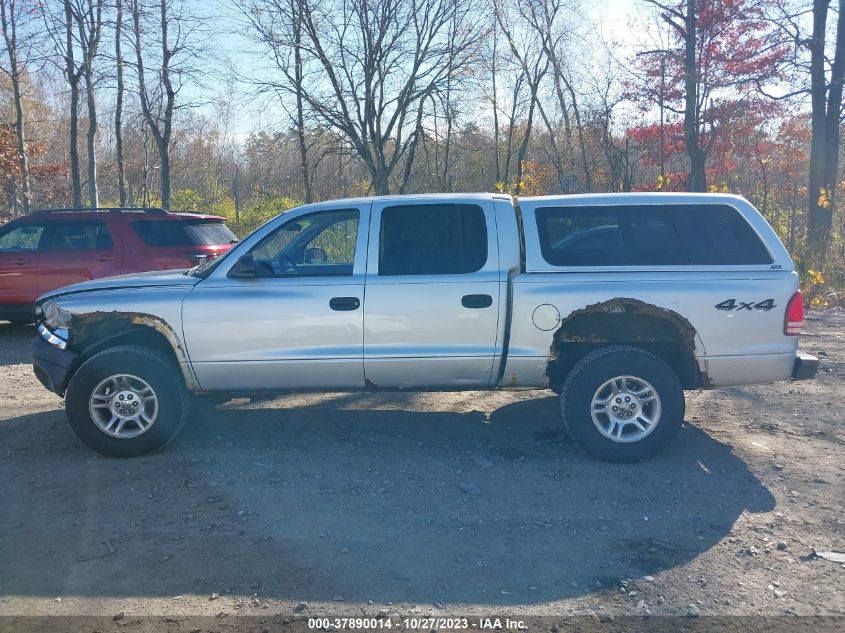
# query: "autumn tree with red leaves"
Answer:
x=48 y=179
x=719 y=52
x=19 y=39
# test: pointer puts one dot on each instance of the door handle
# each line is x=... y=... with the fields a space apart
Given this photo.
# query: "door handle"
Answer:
x=104 y=258
x=477 y=301
x=20 y=261
x=344 y=303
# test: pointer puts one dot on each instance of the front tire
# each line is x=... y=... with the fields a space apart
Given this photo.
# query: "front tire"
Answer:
x=622 y=404
x=127 y=401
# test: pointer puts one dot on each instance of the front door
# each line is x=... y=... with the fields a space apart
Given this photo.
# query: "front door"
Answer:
x=432 y=308
x=19 y=265
x=298 y=322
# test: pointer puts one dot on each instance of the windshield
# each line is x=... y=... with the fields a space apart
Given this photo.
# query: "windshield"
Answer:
x=204 y=270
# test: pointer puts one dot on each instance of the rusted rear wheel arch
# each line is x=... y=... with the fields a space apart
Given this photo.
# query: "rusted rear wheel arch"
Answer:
x=664 y=333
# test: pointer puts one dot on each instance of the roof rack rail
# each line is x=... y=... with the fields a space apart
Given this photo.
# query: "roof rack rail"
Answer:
x=153 y=210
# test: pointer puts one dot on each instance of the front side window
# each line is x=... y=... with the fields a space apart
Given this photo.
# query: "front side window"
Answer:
x=315 y=245
x=77 y=236
x=24 y=237
x=432 y=239
x=608 y=236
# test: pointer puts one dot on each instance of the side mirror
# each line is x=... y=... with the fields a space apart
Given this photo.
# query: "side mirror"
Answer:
x=315 y=255
x=244 y=267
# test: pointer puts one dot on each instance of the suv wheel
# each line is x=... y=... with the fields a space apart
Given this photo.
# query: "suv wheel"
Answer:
x=126 y=401
x=622 y=404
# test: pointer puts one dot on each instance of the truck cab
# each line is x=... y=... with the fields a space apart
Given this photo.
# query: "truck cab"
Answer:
x=382 y=293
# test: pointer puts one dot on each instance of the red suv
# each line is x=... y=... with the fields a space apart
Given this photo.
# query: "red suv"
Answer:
x=57 y=247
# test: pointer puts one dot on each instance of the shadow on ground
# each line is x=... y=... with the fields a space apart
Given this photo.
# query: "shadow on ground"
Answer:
x=402 y=504
x=14 y=343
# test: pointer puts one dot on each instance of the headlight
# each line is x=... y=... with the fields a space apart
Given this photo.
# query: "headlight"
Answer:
x=55 y=317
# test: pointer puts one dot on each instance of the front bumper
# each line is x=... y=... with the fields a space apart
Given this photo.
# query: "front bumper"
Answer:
x=805 y=367
x=52 y=365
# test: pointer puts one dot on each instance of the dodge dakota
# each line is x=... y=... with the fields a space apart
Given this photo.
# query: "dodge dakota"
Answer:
x=617 y=302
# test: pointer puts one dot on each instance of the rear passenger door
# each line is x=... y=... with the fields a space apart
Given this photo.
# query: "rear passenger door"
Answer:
x=74 y=251
x=432 y=294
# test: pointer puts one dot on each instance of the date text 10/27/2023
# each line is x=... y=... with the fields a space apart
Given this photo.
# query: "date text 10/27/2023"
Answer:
x=423 y=623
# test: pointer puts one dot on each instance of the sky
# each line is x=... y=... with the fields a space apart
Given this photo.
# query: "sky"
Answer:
x=621 y=21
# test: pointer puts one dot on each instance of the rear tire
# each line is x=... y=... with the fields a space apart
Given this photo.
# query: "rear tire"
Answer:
x=622 y=404
x=127 y=401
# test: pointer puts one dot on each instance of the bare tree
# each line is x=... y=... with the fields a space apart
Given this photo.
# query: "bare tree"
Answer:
x=551 y=20
x=527 y=50
x=449 y=109
x=59 y=26
x=18 y=36
x=608 y=96
x=73 y=74
x=168 y=41
x=78 y=25
x=826 y=100
x=684 y=20
x=489 y=88
x=300 y=109
x=118 y=106
x=493 y=58
x=88 y=17
x=817 y=68
x=515 y=111
x=368 y=67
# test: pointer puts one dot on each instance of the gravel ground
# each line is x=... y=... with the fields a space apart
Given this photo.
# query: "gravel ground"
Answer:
x=428 y=503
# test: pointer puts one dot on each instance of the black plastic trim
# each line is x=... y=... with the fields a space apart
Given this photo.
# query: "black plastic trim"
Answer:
x=805 y=368
x=52 y=366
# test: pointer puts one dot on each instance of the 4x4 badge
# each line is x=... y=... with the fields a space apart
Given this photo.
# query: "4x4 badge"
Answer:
x=731 y=305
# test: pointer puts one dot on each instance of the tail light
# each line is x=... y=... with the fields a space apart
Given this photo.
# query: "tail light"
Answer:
x=197 y=258
x=793 y=320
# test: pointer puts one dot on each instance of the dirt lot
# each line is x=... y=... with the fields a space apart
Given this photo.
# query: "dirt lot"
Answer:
x=433 y=503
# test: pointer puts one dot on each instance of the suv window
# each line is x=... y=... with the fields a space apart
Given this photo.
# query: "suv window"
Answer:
x=209 y=233
x=77 y=236
x=182 y=232
x=23 y=237
x=314 y=245
x=432 y=239
x=608 y=236
x=717 y=234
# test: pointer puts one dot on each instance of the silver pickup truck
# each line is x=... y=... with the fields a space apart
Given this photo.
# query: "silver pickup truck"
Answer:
x=618 y=302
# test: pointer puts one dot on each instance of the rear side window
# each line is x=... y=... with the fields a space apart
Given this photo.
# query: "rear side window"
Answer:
x=210 y=233
x=608 y=236
x=77 y=236
x=717 y=234
x=23 y=237
x=432 y=239
x=182 y=233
